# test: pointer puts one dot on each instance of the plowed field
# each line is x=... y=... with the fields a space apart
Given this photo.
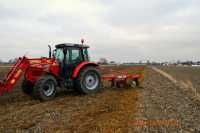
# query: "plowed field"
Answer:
x=159 y=106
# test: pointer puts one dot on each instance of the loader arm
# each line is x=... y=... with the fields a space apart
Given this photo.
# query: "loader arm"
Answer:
x=14 y=75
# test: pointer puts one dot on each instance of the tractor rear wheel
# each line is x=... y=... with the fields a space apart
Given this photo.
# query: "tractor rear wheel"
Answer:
x=88 y=80
x=27 y=87
x=45 y=88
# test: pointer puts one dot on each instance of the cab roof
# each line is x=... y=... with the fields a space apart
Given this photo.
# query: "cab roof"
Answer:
x=71 y=45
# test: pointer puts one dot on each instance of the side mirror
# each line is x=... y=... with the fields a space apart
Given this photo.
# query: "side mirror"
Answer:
x=49 y=51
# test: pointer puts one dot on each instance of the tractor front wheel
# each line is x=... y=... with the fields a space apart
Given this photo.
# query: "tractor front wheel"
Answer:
x=88 y=80
x=45 y=88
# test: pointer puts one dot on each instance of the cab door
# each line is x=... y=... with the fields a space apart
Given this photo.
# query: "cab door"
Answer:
x=74 y=58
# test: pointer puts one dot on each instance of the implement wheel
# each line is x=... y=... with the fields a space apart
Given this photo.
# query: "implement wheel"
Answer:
x=135 y=83
x=88 y=80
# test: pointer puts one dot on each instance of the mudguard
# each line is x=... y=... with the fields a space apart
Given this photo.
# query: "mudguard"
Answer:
x=82 y=65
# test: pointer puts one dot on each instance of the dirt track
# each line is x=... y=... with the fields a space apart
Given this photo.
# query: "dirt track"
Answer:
x=188 y=75
x=111 y=110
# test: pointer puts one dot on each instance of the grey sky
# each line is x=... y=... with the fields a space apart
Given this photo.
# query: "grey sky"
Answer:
x=120 y=30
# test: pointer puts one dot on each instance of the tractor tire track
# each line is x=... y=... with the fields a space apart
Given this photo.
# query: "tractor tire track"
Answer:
x=186 y=85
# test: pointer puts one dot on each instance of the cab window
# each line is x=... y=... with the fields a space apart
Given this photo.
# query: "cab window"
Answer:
x=59 y=55
x=76 y=55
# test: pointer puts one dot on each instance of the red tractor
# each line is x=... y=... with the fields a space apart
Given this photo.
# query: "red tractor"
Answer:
x=67 y=67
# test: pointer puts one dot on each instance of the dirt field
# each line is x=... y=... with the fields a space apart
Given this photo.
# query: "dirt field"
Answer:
x=161 y=99
x=188 y=75
x=107 y=111
x=159 y=106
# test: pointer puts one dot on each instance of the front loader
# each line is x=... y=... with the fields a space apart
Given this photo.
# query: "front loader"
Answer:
x=68 y=66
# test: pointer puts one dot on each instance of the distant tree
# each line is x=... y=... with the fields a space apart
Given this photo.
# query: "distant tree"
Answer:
x=178 y=62
x=12 y=61
x=103 y=61
x=148 y=62
x=187 y=63
x=112 y=62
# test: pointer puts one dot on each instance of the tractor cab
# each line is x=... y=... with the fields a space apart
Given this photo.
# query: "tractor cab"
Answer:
x=69 y=56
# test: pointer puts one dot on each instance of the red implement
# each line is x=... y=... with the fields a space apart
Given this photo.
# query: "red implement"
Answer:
x=120 y=80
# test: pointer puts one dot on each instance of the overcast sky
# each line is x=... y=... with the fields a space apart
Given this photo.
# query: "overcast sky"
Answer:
x=120 y=30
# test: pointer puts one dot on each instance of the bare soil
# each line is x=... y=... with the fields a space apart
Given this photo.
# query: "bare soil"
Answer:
x=161 y=99
x=113 y=110
x=188 y=75
x=107 y=111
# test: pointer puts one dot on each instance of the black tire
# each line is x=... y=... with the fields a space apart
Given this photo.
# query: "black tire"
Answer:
x=137 y=82
x=81 y=83
x=45 y=88
x=119 y=84
x=27 y=87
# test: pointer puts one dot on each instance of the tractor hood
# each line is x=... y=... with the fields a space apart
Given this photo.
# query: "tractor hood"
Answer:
x=41 y=62
x=38 y=67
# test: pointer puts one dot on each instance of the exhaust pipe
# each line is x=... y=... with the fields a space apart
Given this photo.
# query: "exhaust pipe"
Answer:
x=49 y=51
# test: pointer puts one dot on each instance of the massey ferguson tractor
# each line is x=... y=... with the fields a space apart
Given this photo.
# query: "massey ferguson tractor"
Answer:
x=67 y=66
